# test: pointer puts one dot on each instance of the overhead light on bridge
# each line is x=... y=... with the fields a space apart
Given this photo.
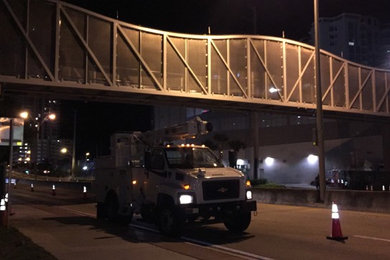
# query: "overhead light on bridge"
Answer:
x=312 y=159
x=269 y=161
x=273 y=90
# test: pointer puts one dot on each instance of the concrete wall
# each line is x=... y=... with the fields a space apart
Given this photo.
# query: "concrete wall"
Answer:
x=376 y=201
x=291 y=165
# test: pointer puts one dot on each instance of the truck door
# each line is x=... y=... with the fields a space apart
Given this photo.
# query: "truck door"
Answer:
x=156 y=174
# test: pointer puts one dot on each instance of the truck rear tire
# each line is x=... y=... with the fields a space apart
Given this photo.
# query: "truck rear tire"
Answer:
x=112 y=207
x=100 y=211
x=126 y=220
x=238 y=222
x=148 y=213
x=170 y=221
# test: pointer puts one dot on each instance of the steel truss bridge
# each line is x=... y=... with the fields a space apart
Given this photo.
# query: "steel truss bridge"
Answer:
x=54 y=48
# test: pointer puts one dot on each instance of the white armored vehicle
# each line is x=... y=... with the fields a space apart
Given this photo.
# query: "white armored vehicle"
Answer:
x=171 y=184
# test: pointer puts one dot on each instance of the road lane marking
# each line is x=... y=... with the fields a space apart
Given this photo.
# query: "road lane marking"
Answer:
x=223 y=249
x=78 y=212
x=203 y=244
x=144 y=228
x=373 y=238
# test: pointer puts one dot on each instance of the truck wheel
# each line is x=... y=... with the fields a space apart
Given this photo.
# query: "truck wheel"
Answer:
x=147 y=213
x=112 y=207
x=238 y=222
x=126 y=219
x=100 y=211
x=170 y=222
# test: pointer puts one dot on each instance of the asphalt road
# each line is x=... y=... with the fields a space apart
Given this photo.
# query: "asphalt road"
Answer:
x=65 y=225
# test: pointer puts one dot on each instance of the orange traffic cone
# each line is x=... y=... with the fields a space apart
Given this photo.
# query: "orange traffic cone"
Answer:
x=336 y=227
x=3 y=213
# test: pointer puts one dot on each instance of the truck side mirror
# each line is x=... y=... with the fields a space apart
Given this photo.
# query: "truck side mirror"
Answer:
x=147 y=160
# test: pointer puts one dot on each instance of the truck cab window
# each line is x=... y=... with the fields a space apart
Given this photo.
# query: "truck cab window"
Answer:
x=157 y=160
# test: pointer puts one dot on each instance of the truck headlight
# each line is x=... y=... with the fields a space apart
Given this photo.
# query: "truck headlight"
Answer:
x=186 y=199
x=249 y=195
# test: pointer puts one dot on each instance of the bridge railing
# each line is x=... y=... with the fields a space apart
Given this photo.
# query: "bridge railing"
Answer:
x=49 y=41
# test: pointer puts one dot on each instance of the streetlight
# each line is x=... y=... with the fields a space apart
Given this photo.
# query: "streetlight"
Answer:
x=319 y=120
x=47 y=117
x=24 y=114
x=51 y=116
x=73 y=169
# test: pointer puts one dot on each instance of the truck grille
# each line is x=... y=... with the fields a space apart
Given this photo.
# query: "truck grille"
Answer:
x=223 y=189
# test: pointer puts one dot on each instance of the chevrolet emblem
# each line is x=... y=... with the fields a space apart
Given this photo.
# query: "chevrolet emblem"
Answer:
x=222 y=190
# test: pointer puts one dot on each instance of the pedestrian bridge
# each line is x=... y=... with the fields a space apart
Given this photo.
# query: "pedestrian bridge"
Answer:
x=57 y=49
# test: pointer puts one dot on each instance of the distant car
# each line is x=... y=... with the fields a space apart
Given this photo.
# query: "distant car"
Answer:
x=43 y=168
x=316 y=182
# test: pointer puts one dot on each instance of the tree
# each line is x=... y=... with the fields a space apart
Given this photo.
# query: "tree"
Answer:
x=235 y=146
x=221 y=140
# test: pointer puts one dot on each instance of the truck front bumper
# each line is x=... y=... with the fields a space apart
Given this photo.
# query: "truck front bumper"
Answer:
x=216 y=209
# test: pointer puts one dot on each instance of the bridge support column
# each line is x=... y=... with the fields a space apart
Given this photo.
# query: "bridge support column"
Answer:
x=386 y=146
x=254 y=119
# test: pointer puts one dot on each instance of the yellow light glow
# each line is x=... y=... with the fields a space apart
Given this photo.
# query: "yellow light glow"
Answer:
x=24 y=114
x=248 y=183
x=134 y=182
x=52 y=116
x=186 y=186
x=64 y=150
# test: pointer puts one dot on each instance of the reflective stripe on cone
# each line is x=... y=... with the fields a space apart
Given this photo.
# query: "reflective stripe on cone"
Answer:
x=3 y=213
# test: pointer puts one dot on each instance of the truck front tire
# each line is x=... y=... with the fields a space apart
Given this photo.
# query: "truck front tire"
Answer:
x=112 y=207
x=238 y=222
x=170 y=221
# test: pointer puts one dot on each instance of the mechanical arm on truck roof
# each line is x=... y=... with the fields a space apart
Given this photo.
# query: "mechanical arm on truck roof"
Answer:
x=189 y=129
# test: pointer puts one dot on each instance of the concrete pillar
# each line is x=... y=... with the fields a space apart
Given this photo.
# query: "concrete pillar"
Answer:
x=386 y=146
x=254 y=127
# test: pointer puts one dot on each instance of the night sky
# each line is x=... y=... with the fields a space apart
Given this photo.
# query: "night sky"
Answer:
x=96 y=121
x=232 y=16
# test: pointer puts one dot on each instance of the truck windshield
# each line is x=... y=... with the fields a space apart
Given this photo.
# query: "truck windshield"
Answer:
x=192 y=157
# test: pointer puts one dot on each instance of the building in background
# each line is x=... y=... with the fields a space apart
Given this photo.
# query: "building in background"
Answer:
x=286 y=151
x=22 y=154
x=42 y=143
x=358 y=38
